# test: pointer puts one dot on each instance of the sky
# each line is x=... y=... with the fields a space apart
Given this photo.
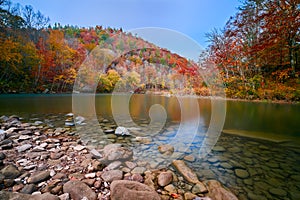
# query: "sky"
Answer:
x=191 y=18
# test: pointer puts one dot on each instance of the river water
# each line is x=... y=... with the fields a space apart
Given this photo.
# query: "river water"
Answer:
x=257 y=155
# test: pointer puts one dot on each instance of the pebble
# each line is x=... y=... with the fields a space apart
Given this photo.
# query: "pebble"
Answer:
x=24 y=147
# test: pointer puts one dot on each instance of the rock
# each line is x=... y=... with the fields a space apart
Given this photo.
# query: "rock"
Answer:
x=186 y=172
x=189 y=158
x=90 y=175
x=2 y=156
x=38 y=176
x=199 y=188
x=164 y=178
x=10 y=172
x=6 y=144
x=79 y=190
x=24 y=137
x=95 y=154
x=64 y=196
x=19 y=196
x=116 y=152
x=28 y=189
x=56 y=155
x=219 y=149
x=130 y=165
x=189 y=196
x=241 y=173
x=170 y=188
x=166 y=149
x=138 y=170
x=144 y=140
x=137 y=177
x=278 y=192
x=225 y=165
x=112 y=175
x=113 y=165
x=79 y=120
x=24 y=147
x=2 y=134
x=127 y=190
x=217 y=192
x=122 y=131
x=79 y=148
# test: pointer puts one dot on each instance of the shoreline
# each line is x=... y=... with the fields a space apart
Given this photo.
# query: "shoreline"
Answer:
x=39 y=162
x=165 y=95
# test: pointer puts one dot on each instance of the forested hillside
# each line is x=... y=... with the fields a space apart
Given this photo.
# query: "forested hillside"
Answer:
x=257 y=53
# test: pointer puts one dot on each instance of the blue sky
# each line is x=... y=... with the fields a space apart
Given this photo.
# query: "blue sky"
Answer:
x=193 y=18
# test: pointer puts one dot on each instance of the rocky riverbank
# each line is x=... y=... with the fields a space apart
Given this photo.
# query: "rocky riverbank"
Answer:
x=42 y=162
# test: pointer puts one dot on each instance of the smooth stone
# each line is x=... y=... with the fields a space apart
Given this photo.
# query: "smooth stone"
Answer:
x=2 y=156
x=130 y=165
x=253 y=196
x=90 y=175
x=170 y=188
x=186 y=172
x=120 y=130
x=241 y=173
x=24 y=147
x=113 y=165
x=226 y=165
x=219 y=149
x=278 y=192
x=10 y=172
x=112 y=175
x=138 y=170
x=144 y=140
x=189 y=158
x=79 y=190
x=24 y=137
x=116 y=152
x=127 y=190
x=189 y=196
x=2 y=134
x=29 y=189
x=39 y=176
x=95 y=154
x=199 y=188
x=164 y=178
x=218 y=192
x=19 y=196
x=212 y=160
x=166 y=149
x=234 y=150
x=79 y=148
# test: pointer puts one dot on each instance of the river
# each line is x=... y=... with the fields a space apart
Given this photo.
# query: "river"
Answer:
x=257 y=155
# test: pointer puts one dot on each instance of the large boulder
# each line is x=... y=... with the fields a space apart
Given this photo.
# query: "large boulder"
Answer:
x=125 y=190
x=79 y=190
x=4 y=195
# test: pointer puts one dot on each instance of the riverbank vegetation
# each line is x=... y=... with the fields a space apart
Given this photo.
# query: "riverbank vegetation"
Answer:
x=257 y=53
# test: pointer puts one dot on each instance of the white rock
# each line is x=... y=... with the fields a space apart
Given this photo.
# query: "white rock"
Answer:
x=90 y=175
x=121 y=131
x=24 y=137
x=2 y=134
x=79 y=120
x=79 y=147
x=24 y=147
x=69 y=115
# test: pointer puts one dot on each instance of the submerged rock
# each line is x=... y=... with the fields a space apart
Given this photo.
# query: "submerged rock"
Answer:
x=122 y=131
x=186 y=172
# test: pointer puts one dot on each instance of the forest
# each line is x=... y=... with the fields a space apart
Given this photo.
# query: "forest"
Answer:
x=257 y=54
